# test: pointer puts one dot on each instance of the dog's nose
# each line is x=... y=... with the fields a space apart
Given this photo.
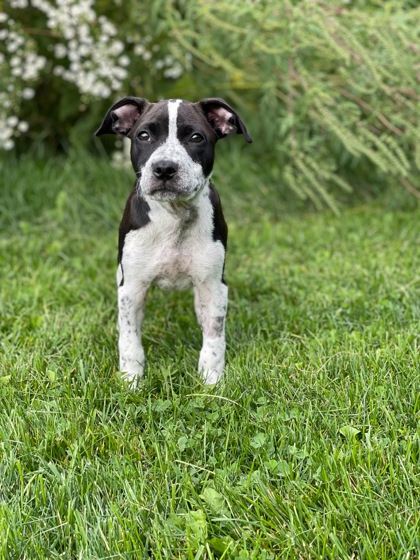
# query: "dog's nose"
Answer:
x=164 y=169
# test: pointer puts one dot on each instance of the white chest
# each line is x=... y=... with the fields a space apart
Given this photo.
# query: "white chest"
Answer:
x=174 y=267
x=174 y=250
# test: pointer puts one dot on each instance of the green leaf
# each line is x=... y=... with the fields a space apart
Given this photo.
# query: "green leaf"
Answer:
x=258 y=440
x=182 y=443
x=197 y=526
x=51 y=374
x=162 y=405
x=221 y=545
x=349 y=432
x=176 y=521
x=214 y=500
x=271 y=464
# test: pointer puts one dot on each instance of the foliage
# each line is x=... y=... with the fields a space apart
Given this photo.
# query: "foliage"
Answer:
x=328 y=89
x=59 y=60
x=334 y=86
x=309 y=449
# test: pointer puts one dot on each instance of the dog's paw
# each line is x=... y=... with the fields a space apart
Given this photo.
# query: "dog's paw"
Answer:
x=212 y=360
x=132 y=372
x=133 y=380
x=211 y=376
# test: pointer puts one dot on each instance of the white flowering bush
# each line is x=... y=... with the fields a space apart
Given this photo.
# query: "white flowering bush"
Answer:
x=19 y=68
x=330 y=87
x=57 y=57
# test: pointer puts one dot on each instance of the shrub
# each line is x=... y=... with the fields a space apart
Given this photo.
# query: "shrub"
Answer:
x=63 y=62
x=333 y=86
x=329 y=89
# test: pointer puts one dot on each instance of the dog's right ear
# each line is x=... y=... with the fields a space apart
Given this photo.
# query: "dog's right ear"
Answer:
x=122 y=116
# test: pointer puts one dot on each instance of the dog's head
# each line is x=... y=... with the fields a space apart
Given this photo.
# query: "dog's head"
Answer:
x=172 y=142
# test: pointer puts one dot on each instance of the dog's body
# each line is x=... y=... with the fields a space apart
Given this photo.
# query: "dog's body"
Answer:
x=173 y=232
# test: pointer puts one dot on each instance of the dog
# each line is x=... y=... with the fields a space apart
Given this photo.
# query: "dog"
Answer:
x=173 y=232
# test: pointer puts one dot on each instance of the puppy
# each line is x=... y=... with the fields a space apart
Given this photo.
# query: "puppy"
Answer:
x=173 y=232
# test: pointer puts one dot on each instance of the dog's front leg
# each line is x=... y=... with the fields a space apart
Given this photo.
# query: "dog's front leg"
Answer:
x=211 y=306
x=130 y=318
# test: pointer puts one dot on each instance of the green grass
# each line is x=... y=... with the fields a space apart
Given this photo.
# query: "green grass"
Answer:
x=310 y=448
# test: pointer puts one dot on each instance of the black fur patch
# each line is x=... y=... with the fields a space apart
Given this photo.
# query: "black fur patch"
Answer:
x=220 y=229
x=136 y=216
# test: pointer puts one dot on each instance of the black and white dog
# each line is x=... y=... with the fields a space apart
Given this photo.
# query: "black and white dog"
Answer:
x=173 y=232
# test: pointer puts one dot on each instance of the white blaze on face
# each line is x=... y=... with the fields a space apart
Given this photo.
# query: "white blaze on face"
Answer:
x=189 y=179
x=173 y=106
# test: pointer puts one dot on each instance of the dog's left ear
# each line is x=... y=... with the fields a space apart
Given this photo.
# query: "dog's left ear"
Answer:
x=223 y=118
x=122 y=116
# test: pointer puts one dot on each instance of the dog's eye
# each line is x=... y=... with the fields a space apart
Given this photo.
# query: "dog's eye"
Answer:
x=197 y=138
x=143 y=135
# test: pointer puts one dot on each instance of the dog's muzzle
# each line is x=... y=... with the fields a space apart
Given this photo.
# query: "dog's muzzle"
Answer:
x=168 y=178
x=163 y=183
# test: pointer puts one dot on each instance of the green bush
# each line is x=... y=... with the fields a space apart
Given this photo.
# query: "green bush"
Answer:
x=331 y=87
x=328 y=90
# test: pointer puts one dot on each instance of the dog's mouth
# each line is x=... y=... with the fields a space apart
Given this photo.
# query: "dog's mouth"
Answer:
x=170 y=190
x=166 y=190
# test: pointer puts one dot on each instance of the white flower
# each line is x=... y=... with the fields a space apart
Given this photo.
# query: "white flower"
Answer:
x=18 y=4
x=12 y=121
x=41 y=62
x=117 y=157
x=5 y=131
x=69 y=33
x=3 y=17
x=175 y=72
x=106 y=92
x=60 y=51
x=84 y=31
x=116 y=48
x=8 y=144
x=74 y=56
x=12 y=47
x=84 y=51
x=139 y=49
x=58 y=70
x=120 y=73
x=23 y=126
x=28 y=93
x=108 y=28
x=15 y=61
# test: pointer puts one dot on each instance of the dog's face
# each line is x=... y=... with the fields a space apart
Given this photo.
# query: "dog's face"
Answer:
x=172 y=151
x=172 y=142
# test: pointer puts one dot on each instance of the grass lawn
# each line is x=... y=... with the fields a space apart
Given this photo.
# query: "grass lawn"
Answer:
x=309 y=448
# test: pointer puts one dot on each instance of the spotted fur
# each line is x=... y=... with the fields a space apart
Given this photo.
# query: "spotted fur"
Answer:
x=173 y=233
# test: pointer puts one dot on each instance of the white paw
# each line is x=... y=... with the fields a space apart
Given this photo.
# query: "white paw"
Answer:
x=132 y=372
x=212 y=360
x=211 y=376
